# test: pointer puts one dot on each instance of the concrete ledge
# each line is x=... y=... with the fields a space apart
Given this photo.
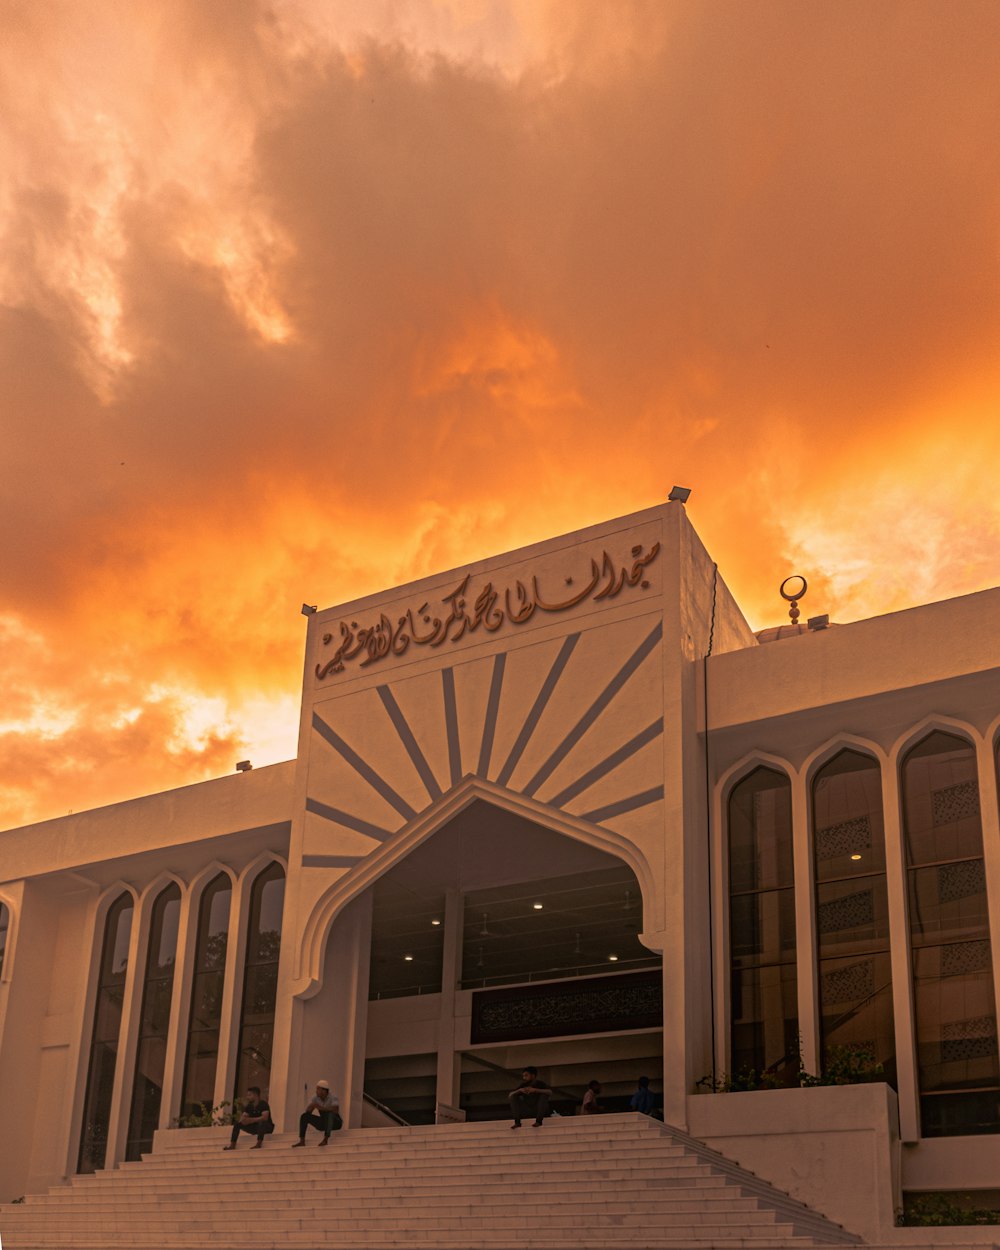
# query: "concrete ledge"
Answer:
x=835 y=1148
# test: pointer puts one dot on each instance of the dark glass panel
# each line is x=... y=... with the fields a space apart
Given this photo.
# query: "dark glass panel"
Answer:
x=261 y=992
x=941 y=793
x=852 y=913
x=954 y=1003
x=948 y=902
x=256 y=1042
x=764 y=1034
x=4 y=927
x=765 y=1021
x=856 y=1007
x=954 y=1115
x=206 y=999
x=847 y=817
x=206 y=995
x=260 y=980
x=213 y=925
x=762 y=927
x=104 y=1040
x=760 y=832
x=154 y=1021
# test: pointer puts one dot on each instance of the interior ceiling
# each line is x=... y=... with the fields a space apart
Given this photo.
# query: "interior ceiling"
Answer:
x=486 y=846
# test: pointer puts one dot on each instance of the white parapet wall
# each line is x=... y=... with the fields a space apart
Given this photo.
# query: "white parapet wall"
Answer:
x=834 y=1148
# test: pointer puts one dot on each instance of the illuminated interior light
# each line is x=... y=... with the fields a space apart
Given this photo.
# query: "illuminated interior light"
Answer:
x=855 y=857
x=408 y=958
x=612 y=959
x=538 y=906
x=435 y=922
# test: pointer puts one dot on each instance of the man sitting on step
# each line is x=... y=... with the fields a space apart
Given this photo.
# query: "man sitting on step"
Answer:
x=326 y=1107
x=532 y=1096
x=256 y=1119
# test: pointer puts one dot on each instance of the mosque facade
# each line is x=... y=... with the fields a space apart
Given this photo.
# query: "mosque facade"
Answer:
x=561 y=807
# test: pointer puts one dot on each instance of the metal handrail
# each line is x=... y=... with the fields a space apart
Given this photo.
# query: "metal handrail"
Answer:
x=495 y=1067
x=380 y=1106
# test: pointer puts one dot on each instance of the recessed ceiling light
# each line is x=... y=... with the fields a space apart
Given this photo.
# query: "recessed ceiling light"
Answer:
x=538 y=906
x=408 y=958
x=435 y=922
x=855 y=857
x=612 y=959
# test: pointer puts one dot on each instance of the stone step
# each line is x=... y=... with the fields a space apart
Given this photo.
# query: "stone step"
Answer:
x=622 y=1181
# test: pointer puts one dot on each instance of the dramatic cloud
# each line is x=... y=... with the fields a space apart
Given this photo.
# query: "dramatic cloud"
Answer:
x=300 y=300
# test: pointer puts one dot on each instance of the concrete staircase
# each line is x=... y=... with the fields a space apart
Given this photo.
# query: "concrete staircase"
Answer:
x=597 y=1183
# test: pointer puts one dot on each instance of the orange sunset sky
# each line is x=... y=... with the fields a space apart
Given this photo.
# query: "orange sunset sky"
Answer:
x=302 y=299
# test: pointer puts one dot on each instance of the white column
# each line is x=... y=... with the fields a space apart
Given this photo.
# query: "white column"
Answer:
x=902 y=968
x=990 y=816
x=805 y=924
x=448 y=1061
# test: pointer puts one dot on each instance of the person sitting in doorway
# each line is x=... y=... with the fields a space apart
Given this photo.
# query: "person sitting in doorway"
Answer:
x=256 y=1119
x=590 y=1104
x=532 y=1095
x=323 y=1112
x=643 y=1100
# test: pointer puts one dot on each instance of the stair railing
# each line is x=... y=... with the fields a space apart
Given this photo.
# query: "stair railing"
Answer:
x=380 y=1106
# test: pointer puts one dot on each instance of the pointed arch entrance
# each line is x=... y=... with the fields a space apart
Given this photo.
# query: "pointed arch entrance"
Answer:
x=491 y=933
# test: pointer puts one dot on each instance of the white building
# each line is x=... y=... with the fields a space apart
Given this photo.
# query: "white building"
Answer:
x=508 y=838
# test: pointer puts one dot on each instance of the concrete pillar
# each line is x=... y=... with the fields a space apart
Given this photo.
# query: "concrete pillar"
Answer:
x=448 y=1060
x=902 y=968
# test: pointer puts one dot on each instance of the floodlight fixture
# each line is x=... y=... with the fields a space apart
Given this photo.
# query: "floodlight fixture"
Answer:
x=308 y=609
x=679 y=494
x=819 y=622
x=244 y=766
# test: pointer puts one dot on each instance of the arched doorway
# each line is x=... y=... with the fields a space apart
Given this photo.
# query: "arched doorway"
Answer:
x=497 y=943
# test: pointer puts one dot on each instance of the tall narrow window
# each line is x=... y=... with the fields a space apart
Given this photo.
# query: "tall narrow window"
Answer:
x=954 y=1005
x=852 y=912
x=151 y=1053
x=104 y=1042
x=765 y=1018
x=206 y=996
x=4 y=929
x=260 y=982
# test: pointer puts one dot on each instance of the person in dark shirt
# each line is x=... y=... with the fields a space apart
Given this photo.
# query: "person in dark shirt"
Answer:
x=643 y=1100
x=532 y=1095
x=256 y=1119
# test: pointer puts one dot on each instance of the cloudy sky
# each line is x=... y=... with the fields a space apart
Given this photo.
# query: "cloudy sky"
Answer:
x=302 y=299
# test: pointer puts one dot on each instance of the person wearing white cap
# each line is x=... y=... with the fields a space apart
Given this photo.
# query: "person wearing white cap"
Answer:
x=323 y=1113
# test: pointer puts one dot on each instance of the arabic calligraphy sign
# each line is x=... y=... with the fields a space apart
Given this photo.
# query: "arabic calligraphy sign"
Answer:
x=488 y=608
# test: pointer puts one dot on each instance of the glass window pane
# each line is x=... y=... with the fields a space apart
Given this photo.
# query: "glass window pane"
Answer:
x=104 y=1039
x=852 y=913
x=856 y=1000
x=762 y=927
x=206 y=994
x=848 y=834
x=765 y=1021
x=760 y=832
x=948 y=902
x=260 y=981
x=942 y=801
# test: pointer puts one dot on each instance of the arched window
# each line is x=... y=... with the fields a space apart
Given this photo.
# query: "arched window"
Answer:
x=852 y=911
x=260 y=981
x=954 y=1006
x=765 y=1018
x=198 y=1088
x=104 y=1042
x=4 y=929
x=154 y=1020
